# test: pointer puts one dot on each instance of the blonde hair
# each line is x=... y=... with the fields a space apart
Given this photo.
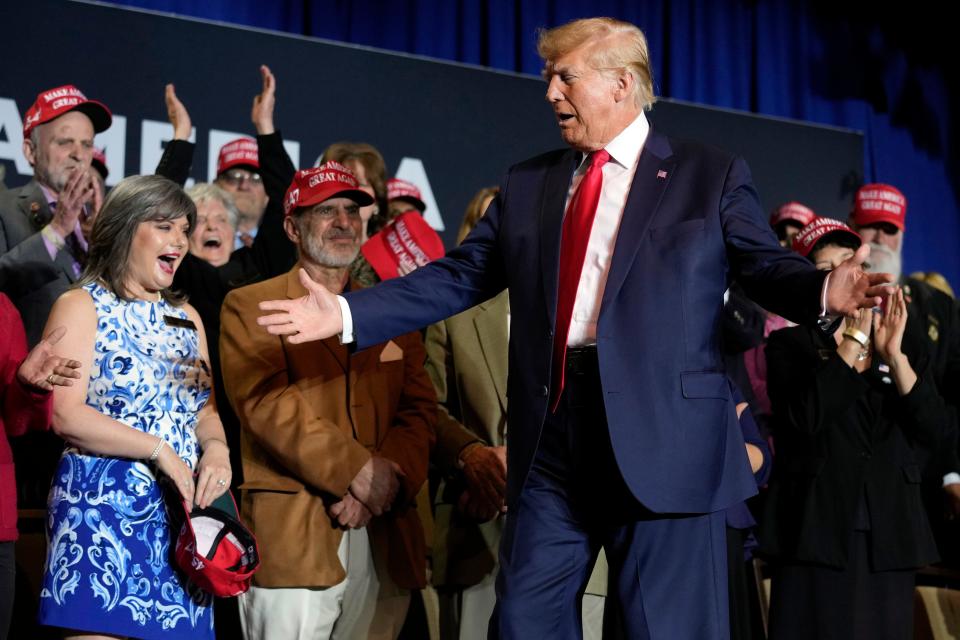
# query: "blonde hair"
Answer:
x=475 y=211
x=617 y=45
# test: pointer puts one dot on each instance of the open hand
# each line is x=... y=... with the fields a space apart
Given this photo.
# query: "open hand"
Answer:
x=315 y=316
x=177 y=114
x=852 y=288
x=42 y=369
x=262 y=112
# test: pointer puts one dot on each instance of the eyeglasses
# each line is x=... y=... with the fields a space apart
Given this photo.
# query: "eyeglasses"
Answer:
x=237 y=177
x=329 y=212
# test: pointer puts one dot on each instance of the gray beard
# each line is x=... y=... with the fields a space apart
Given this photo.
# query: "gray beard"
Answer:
x=884 y=260
x=326 y=258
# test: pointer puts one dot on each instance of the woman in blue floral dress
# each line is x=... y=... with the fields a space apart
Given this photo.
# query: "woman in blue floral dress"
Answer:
x=141 y=429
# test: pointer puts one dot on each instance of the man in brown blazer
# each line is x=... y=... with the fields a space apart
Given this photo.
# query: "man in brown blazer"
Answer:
x=334 y=445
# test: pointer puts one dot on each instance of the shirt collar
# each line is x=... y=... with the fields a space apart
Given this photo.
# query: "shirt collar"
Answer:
x=625 y=148
x=49 y=194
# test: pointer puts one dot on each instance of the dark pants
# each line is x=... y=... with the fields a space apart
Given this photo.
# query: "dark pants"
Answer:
x=8 y=574
x=668 y=571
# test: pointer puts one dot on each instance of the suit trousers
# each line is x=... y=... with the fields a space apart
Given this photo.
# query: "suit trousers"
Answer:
x=668 y=571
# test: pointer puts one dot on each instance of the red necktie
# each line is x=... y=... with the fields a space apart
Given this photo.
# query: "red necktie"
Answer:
x=573 y=249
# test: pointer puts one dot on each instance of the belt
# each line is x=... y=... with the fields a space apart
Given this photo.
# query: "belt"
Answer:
x=582 y=360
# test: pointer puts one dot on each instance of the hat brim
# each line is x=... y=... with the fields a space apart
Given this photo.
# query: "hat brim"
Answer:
x=98 y=113
x=362 y=198
x=831 y=237
x=238 y=165
x=417 y=202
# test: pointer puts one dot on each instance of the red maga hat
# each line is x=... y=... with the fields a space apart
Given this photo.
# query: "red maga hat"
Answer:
x=792 y=212
x=215 y=549
x=876 y=203
x=408 y=242
x=241 y=152
x=53 y=103
x=329 y=180
x=817 y=230
x=398 y=189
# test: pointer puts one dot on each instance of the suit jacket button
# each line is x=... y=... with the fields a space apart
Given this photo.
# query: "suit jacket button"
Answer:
x=544 y=391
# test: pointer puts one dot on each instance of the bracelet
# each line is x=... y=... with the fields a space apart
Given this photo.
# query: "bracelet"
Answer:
x=857 y=335
x=156 y=450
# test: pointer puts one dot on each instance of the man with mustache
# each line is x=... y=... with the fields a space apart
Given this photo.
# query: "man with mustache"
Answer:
x=879 y=216
x=334 y=445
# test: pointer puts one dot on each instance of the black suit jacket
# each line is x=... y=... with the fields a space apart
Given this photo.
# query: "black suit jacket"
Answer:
x=850 y=452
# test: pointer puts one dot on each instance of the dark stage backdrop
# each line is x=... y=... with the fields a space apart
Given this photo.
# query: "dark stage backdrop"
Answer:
x=451 y=128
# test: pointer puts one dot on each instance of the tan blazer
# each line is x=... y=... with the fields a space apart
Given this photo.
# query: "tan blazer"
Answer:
x=301 y=448
x=467 y=361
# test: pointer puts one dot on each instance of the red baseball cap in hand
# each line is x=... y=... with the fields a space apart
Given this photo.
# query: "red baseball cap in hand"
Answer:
x=216 y=550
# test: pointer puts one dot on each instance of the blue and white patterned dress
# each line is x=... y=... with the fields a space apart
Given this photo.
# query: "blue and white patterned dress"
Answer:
x=109 y=539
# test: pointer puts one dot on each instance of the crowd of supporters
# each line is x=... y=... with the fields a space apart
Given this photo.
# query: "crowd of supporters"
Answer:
x=375 y=480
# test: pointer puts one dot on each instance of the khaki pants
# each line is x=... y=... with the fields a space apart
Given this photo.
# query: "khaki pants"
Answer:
x=367 y=604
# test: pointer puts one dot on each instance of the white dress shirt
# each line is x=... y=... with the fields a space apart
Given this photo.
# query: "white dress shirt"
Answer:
x=618 y=175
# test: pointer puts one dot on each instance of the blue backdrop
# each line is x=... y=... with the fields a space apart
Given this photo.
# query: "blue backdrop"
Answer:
x=885 y=73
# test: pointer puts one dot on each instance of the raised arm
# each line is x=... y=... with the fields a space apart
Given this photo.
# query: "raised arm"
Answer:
x=178 y=156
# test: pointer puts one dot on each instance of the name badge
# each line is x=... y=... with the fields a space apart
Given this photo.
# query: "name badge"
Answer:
x=179 y=322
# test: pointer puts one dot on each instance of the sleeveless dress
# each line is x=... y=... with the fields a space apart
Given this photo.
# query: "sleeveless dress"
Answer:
x=109 y=566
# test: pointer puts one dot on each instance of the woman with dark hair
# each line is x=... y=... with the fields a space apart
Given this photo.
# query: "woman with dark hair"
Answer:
x=142 y=411
x=856 y=415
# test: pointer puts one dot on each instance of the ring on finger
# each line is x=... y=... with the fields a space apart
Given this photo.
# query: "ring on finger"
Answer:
x=50 y=379
x=221 y=482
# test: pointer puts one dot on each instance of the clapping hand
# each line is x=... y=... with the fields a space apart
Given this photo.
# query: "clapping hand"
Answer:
x=888 y=328
x=79 y=190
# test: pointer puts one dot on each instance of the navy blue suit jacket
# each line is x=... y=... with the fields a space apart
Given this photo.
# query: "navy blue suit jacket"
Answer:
x=692 y=223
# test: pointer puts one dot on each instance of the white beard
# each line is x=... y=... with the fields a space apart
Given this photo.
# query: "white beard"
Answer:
x=883 y=259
